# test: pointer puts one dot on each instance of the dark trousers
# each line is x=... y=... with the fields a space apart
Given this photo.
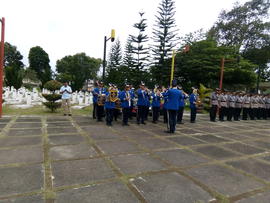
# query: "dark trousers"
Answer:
x=94 y=110
x=264 y=113
x=237 y=113
x=146 y=111
x=100 y=112
x=246 y=113
x=222 y=113
x=259 y=113
x=126 y=113
x=180 y=113
x=193 y=113
x=116 y=113
x=252 y=113
x=213 y=112
x=230 y=113
x=165 y=115
x=141 y=114
x=109 y=116
x=155 y=111
x=172 y=120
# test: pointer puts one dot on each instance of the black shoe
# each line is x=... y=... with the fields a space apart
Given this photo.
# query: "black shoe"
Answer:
x=192 y=121
x=180 y=122
x=65 y=114
x=70 y=114
x=144 y=123
x=154 y=122
x=138 y=122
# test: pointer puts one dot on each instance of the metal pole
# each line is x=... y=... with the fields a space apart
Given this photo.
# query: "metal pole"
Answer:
x=221 y=72
x=172 y=69
x=2 y=51
x=104 y=58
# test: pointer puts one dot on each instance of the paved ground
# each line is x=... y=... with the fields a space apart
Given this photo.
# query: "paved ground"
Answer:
x=75 y=159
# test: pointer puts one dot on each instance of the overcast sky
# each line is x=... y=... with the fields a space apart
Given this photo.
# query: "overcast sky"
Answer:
x=67 y=27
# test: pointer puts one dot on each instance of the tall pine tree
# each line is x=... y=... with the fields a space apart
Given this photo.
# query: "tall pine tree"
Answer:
x=165 y=39
x=139 y=50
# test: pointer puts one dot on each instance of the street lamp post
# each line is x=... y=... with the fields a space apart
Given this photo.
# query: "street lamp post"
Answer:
x=104 y=53
x=2 y=51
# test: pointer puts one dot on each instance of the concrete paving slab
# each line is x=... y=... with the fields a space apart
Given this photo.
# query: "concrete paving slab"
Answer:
x=77 y=151
x=252 y=166
x=17 y=180
x=66 y=139
x=169 y=188
x=80 y=171
x=21 y=155
x=232 y=136
x=183 y=140
x=243 y=148
x=29 y=119
x=258 y=198
x=187 y=131
x=5 y=119
x=57 y=119
x=61 y=130
x=224 y=180
x=59 y=124
x=137 y=163
x=181 y=157
x=116 y=147
x=103 y=193
x=26 y=125
x=2 y=125
x=211 y=138
x=27 y=199
x=154 y=144
x=259 y=143
x=216 y=152
x=24 y=132
x=19 y=141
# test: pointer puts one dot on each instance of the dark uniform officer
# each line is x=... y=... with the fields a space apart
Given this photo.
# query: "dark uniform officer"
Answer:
x=142 y=103
x=173 y=105
x=100 y=91
x=125 y=98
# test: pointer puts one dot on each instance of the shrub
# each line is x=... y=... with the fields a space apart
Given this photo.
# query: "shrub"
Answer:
x=53 y=85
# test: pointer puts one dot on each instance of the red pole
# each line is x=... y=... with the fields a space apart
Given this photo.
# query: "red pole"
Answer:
x=2 y=51
x=221 y=72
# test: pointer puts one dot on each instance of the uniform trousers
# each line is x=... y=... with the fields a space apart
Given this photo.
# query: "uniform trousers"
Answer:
x=252 y=112
x=230 y=113
x=100 y=112
x=141 y=113
x=213 y=112
x=237 y=113
x=155 y=111
x=165 y=115
x=180 y=113
x=193 y=113
x=222 y=113
x=126 y=113
x=94 y=110
x=246 y=113
x=109 y=116
x=172 y=120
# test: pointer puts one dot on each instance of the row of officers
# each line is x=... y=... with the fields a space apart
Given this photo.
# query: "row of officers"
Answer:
x=171 y=99
x=239 y=105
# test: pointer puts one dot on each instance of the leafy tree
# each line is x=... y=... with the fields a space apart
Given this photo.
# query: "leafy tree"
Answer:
x=245 y=26
x=202 y=65
x=13 y=66
x=30 y=74
x=128 y=59
x=164 y=37
x=39 y=62
x=77 y=69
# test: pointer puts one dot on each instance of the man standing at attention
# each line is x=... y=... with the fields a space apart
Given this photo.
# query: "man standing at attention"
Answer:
x=66 y=91
x=174 y=96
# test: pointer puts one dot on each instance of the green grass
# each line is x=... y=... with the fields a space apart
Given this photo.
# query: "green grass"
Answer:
x=41 y=110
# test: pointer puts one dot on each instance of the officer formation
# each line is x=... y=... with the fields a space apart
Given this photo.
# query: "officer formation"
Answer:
x=109 y=102
x=234 y=106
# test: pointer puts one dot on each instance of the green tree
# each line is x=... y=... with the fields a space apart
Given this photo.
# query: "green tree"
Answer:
x=13 y=66
x=77 y=69
x=245 y=26
x=164 y=37
x=39 y=62
x=202 y=65
x=52 y=98
x=115 y=55
x=128 y=56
